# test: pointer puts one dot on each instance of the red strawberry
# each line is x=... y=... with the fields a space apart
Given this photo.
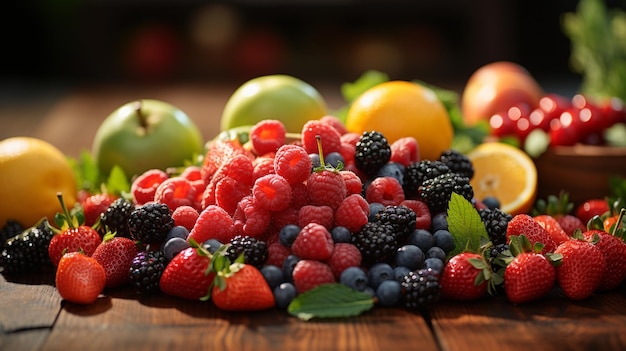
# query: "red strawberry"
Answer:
x=553 y=227
x=591 y=208
x=582 y=268
x=560 y=208
x=523 y=224
x=94 y=205
x=614 y=250
x=530 y=275
x=242 y=288
x=463 y=277
x=188 y=274
x=115 y=255
x=308 y=274
x=79 y=278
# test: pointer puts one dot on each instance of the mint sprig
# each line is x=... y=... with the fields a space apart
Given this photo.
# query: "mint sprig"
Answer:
x=465 y=225
x=333 y=300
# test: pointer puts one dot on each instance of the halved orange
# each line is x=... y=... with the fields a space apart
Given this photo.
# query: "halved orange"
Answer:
x=506 y=173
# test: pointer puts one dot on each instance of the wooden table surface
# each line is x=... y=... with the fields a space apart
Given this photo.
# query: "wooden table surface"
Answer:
x=33 y=316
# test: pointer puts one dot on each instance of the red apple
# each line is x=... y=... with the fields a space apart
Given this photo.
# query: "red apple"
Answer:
x=495 y=87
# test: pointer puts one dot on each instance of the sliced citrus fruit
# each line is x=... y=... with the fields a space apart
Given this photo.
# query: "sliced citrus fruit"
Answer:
x=506 y=173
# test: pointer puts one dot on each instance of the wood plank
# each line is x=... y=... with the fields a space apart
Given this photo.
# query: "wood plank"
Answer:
x=24 y=340
x=555 y=323
x=165 y=323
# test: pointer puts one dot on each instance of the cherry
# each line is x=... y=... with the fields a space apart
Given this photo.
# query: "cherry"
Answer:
x=501 y=125
x=563 y=131
x=553 y=105
x=613 y=111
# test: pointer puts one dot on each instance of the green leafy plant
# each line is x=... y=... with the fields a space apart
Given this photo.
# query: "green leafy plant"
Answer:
x=330 y=301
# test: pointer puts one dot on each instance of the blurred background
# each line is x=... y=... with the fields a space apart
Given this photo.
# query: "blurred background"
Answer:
x=52 y=47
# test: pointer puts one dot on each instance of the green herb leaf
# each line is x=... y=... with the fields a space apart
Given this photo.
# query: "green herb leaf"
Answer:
x=86 y=172
x=350 y=91
x=465 y=225
x=330 y=301
x=117 y=183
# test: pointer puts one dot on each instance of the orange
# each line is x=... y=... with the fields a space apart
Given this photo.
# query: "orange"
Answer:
x=505 y=172
x=32 y=171
x=400 y=109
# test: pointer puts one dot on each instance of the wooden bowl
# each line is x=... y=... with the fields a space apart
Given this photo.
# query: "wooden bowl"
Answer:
x=582 y=171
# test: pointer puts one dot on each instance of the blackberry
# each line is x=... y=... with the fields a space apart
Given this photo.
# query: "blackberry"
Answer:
x=417 y=172
x=492 y=254
x=457 y=162
x=115 y=218
x=146 y=270
x=150 y=223
x=27 y=252
x=420 y=289
x=496 y=222
x=372 y=152
x=10 y=229
x=401 y=218
x=436 y=192
x=254 y=251
x=377 y=242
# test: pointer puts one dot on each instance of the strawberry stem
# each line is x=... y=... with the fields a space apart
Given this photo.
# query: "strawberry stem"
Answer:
x=66 y=213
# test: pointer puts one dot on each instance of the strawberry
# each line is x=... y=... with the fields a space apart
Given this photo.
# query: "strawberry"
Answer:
x=560 y=208
x=467 y=276
x=529 y=275
x=115 y=255
x=241 y=287
x=614 y=250
x=94 y=205
x=72 y=235
x=188 y=275
x=582 y=268
x=79 y=278
x=590 y=208
x=523 y=224
x=553 y=227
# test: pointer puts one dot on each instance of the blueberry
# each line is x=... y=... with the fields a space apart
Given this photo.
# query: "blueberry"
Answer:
x=354 y=277
x=491 y=202
x=173 y=246
x=288 y=265
x=444 y=240
x=409 y=256
x=439 y=221
x=284 y=294
x=421 y=238
x=369 y=290
x=375 y=207
x=315 y=160
x=177 y=232
x=273 y=275
x=388 y=293
x=341 y=234
x=212 y=245
x=378 y=273
x=435 y=264
x=392 y=169
x=288 y=234
x=333 y=159
x=437 y=252
x=400 y=271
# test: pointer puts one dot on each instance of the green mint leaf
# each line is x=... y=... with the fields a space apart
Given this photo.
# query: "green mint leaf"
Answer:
x=330 y=301
x=465 y=225
x=86 y=172
x=351 y=90
x=117 y=183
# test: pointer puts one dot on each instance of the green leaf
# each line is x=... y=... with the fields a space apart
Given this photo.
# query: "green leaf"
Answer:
x=86 y=172
x=330 y=301
x=465 y=225
x=352 y=90
x=117 y=183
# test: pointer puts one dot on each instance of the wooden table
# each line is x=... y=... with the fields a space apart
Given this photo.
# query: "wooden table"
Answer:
x=33 y=316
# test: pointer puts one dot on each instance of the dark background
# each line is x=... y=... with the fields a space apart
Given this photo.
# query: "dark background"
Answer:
x=161 y=41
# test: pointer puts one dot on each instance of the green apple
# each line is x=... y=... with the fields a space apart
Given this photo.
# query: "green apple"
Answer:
x=280 y=97
x=146 y=134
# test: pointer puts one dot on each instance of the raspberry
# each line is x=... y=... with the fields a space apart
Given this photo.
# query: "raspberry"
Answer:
x=334 y=122
x=385 y=190
x=146 y=184
x=272 y=192
x=347 y=151
x=176 y=191
x=262 y=166
x=423 y=218
x=239 y=168
x=352 y=213
x=405 y=151
x=345 y=255
x=213 y=223
x=94 y=206
x=308 y=274
x=250 y=219
x=326 y=187
x=293 y=163
x=316 y=214
x=350 y=138
x=219 y=152
x=185 y=216
x=314 y=242
x=267 y=136
x=331 y=139
x=228 y=193
x=299 y=195
x=284 y=217
x=194 y=175
x=354 y=185
x=277 y=253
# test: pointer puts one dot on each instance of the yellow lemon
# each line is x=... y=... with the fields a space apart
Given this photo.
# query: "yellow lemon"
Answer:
x=505 y=172
x=32 y=172
x=401 y=109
